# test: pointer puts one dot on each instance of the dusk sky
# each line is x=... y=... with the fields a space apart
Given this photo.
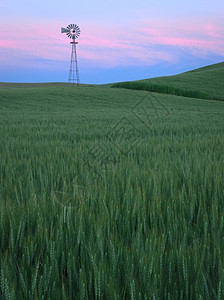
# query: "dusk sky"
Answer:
x=120 y=40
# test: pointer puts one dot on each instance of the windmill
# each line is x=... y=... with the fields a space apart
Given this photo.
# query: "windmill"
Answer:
x=73 y=32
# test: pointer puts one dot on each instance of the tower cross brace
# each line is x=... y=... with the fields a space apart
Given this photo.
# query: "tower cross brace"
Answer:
x=74 y=71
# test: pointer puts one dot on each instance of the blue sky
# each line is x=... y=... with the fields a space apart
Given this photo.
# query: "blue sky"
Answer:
x=120 y=40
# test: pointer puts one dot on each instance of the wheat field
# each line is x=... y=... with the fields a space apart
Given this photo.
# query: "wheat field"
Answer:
x=110 y=193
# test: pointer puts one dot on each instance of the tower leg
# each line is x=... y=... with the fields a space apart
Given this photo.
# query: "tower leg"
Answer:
x=73 y=71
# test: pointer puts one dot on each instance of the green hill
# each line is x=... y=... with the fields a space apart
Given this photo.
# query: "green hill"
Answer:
x=205 y=83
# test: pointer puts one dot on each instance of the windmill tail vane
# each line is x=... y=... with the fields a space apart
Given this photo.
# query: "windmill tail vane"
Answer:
x=73 y=32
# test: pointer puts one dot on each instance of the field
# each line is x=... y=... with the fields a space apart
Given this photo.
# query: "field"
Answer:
x=203 y=83
x=110 y=193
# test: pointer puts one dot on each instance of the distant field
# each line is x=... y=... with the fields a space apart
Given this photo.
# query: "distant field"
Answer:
x=110 y=194
x=8 y=85
x=204 y=83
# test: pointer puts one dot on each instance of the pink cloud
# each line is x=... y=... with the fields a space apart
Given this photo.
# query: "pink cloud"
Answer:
x=201 y=35
x=142 y=44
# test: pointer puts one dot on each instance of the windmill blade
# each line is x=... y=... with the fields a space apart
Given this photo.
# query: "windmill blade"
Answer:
x=72 y=31
x=64 y=30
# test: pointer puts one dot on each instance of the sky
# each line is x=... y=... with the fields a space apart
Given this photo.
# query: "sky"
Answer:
x=120 y=40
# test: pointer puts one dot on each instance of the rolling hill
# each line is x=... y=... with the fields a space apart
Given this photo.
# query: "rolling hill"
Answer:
x=205 y=83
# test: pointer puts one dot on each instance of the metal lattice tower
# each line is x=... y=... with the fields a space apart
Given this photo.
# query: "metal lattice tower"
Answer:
x=73 y=32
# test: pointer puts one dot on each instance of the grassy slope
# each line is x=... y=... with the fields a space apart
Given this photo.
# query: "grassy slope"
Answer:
x=80 y=219
x=205 y=83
